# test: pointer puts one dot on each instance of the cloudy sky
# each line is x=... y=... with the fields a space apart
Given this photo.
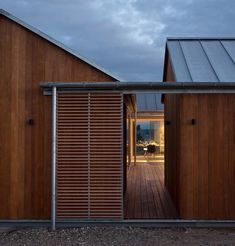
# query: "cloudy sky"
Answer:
x=126 y=37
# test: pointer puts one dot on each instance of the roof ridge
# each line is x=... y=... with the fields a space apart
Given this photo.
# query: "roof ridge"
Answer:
x=55 y=42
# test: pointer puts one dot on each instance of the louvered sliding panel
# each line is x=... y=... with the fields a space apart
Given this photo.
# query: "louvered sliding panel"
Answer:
x=72 y=155
x=89 y=157
x=106 y=155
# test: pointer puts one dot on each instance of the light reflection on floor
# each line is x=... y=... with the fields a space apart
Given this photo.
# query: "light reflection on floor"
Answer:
x=150 y=159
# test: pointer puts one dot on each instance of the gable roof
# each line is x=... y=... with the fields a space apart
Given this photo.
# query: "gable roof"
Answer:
x=202 y=59
x=55 y=42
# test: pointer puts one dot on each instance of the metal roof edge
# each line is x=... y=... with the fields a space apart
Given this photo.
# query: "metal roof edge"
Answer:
x=172 y=64
x=55 y=42
x=166 y=54
x=143 y=87
x=198 y=38
x=140 y=85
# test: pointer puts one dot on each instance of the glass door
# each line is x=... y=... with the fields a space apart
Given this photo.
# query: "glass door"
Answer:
x=150 y=139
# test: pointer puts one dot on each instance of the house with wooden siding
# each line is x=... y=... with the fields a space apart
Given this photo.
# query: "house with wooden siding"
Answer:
x=29 y=57
x=78 y=146
x=199 y=156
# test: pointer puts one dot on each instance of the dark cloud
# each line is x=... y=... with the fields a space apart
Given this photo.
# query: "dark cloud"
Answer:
x=126 y=37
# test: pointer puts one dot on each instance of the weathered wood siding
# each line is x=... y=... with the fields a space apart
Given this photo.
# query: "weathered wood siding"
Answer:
x=25 y=150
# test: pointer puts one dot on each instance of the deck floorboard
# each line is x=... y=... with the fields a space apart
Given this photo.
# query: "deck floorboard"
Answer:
x=146 y=196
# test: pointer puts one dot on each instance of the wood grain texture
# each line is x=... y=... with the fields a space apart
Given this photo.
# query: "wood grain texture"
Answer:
x=200 y=158
x=171 y=135
x=207 y=188
x=206 y=159
x=90 y=159
x=146 y=195
x=26 y=60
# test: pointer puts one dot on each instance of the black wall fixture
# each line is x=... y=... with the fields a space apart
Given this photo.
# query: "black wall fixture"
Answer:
x=167 y=122
x=193 y=121
x=30 y=121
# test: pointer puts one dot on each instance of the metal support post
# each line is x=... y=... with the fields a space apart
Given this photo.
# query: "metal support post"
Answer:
x=53 y=162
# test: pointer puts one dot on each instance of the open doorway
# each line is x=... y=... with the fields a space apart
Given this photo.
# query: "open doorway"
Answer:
x=146 y=196
x=150 y=140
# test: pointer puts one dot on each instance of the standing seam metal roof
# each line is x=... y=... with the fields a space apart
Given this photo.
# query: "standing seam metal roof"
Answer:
x=149 y=102
x=55 y=42
x=202 y=59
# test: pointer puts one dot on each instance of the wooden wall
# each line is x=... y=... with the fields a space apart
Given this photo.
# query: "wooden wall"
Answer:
x=200 y=158
x=206 y=158
x=25 y=150
x=129 y=110
x=171 y=137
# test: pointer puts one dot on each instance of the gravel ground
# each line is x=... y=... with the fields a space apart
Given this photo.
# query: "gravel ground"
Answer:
x=118 y=236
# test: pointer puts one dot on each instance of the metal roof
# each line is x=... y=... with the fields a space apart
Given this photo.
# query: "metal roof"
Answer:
x=202 y=59
x=55 y=42
x=148 y=102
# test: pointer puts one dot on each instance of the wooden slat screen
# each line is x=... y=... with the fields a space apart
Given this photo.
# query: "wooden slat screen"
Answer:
x=106 y=155
x=72 y=155
x=89 y=159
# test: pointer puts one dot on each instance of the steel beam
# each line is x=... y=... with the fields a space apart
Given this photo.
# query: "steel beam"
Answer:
x=143 y=87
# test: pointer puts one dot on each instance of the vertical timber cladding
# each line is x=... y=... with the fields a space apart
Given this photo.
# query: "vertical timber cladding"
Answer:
x=90 y=158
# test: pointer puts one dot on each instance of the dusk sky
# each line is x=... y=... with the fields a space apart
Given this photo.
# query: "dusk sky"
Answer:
x=126 y=37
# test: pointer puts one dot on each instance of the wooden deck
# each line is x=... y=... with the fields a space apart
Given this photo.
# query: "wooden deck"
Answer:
x=146 y=196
